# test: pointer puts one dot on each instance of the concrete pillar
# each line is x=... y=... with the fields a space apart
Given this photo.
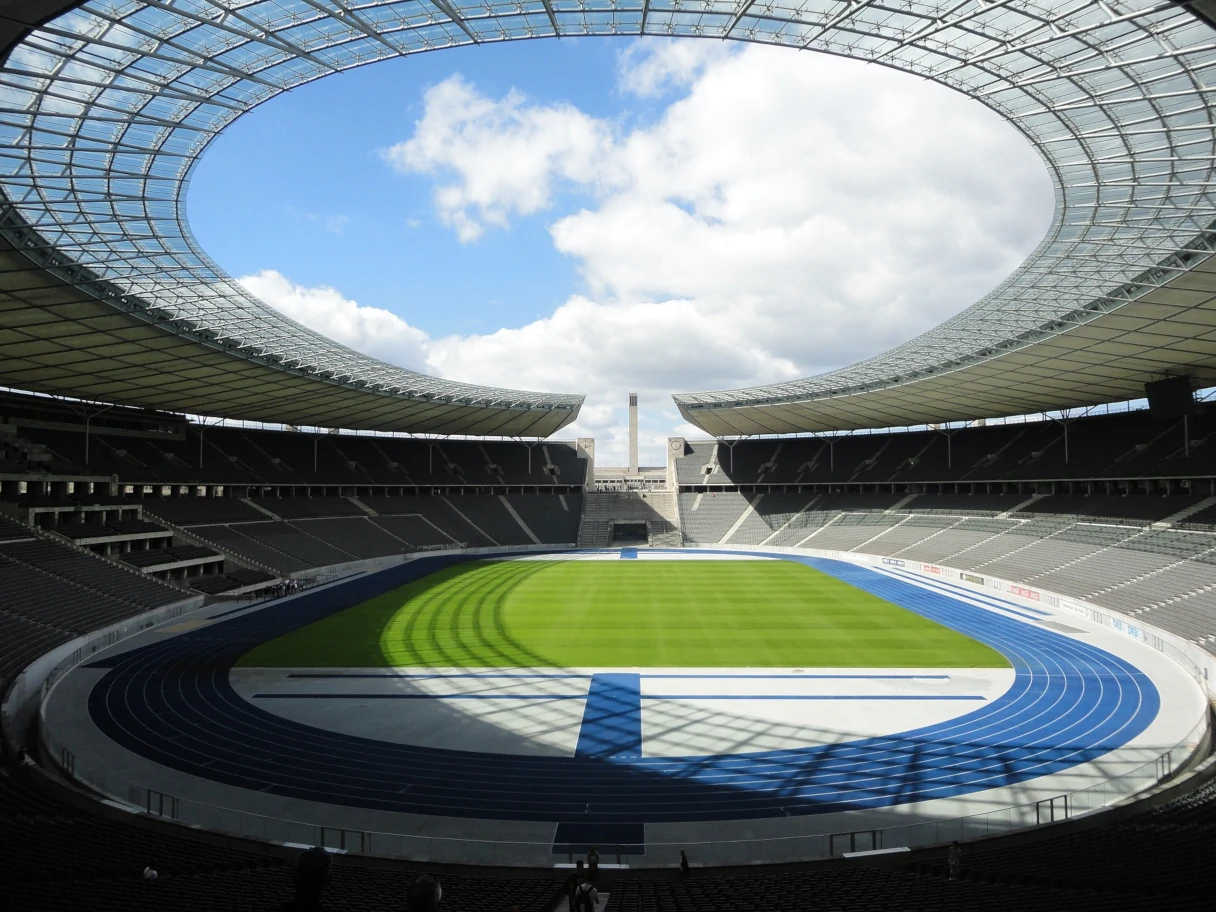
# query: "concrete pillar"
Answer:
x=585 y=448
x=675 y=449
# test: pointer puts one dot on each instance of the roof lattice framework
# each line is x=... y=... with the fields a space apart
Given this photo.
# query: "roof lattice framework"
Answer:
x=106 y=107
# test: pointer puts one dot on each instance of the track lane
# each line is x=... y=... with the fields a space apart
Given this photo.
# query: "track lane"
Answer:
x=1070 y=702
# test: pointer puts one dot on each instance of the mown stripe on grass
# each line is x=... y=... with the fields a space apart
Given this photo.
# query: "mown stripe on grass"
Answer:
x=622 y=614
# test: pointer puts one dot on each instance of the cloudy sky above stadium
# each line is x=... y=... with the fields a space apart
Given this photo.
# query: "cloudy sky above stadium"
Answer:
x=597 y=216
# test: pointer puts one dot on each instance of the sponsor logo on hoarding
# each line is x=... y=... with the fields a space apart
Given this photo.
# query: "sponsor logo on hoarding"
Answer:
x=1129 y=629
x=978 y=580
x=893 y=562
x=1075 y=608
x=1025 y=593
x=930 y=568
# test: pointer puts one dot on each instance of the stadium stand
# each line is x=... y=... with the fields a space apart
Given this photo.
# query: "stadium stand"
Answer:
x=309 y=507
x=158 y=558
x=436 y=512
x=1146 y=861
x=128 y=527
x=1142 y=508
x=1145 y=547
x=770 y=512
x=358 y=536
x=36 y=594
x=705 y=518
x=1117 y=544
x=89 y=572
x=284 y=538
x=325 y=531
x=416 y=530
x=1116 y=562
x=231 y=540
x=190 y=511
x=1204 y=517
x=1105 y=450
x=966 y=504
x=11 y=530
x=155 y=448
x=1118 y=509
x=491 y=517
x=554 y=520
x=234 y=581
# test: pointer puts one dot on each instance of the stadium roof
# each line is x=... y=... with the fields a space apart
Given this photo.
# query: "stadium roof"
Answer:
x=106 y=108
x=104 y=292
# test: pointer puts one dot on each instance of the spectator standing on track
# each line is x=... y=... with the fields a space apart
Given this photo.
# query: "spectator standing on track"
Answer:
x=424 y=894
x=684 y=868
x=311 y=879
x=585 y=897
x=954 y=860
x=593 y=864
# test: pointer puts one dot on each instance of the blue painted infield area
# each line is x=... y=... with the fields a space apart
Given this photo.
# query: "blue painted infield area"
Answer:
x=172 y=703
x=612 y=719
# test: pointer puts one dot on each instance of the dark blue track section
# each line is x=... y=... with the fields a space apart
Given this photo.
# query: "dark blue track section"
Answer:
x=172 y=703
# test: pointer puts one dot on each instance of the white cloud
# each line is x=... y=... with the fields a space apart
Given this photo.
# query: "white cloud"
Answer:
x=787 y=214
x=506 y=154
x=371 y=330
x=599 y=349
x=653 y=68
x=853 y=207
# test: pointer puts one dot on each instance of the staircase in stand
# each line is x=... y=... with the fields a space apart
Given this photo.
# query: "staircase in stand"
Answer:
x=656 y=508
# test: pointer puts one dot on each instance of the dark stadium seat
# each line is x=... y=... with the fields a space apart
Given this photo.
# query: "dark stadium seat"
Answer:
x=190 y=511
x=309 y=507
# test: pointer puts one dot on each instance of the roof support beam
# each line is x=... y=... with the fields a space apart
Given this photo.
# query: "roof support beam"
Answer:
x=446 y=8
x=553 y=17
x=734 y=20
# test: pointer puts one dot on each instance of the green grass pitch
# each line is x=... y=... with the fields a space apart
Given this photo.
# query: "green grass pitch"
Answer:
x=583 y=613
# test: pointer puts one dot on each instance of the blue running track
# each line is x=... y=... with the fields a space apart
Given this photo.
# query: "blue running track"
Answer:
x=171 y=702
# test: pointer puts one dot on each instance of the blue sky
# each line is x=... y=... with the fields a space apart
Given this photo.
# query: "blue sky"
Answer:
x=599 y=216
x=318 y=202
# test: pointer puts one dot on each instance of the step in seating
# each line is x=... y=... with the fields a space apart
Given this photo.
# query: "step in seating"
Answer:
x=11 y=530
x=217 y=584
x=192 y=511
x=305 y=507
x=358 y=536
x=178 y=555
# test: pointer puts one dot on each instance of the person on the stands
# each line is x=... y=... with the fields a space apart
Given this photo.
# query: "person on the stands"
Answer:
x=424 y=894
x=585 y=897
x=576 y=877
x=311 y=879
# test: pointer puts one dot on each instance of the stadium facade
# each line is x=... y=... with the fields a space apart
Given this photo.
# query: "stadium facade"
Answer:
x=108 y=105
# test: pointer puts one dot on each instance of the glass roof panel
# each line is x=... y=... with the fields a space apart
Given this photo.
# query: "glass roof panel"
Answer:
x=106 y=108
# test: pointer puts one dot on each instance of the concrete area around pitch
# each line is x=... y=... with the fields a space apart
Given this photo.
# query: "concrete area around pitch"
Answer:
x=778 y=719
